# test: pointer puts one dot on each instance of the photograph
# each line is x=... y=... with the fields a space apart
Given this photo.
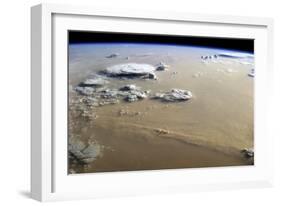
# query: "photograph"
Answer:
x=140 y=101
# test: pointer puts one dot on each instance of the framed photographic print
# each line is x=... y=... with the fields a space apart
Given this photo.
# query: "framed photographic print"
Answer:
x=134 y=102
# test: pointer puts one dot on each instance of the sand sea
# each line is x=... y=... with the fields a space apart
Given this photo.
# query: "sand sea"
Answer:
x=151 y=106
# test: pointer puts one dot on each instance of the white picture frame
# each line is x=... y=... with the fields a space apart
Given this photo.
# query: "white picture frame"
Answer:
x=49 y=179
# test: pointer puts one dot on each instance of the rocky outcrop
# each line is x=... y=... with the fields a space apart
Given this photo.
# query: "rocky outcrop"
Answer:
x=94 y=81
x=131 y=70
x=209 y=57
x=85 y=90
x=174 y=95
x=235 y=55
x=248 y=152
x=161 y=66
x=104 y=96
x=98 y=93
x=251 y=73
x=129 y=87
x=91 y=85
x=114 y=55
x=83 y=153
x=135 y=95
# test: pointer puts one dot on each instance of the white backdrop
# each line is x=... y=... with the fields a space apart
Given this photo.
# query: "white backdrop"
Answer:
x=15 y=104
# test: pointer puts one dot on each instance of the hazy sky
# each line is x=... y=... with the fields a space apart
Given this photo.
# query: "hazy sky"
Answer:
x=95 y=37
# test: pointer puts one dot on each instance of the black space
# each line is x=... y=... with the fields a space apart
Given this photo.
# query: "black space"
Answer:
x=110 y=37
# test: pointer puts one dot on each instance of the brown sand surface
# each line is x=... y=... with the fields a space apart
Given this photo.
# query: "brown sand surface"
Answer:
x=208 y=130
